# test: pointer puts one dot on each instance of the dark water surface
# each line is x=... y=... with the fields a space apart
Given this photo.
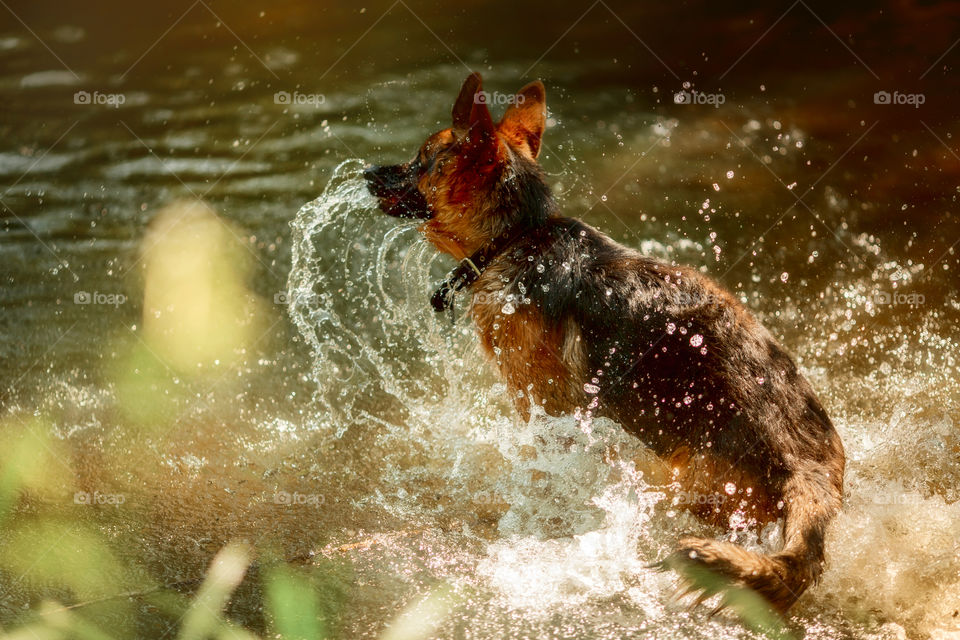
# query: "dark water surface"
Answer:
x=206 y=371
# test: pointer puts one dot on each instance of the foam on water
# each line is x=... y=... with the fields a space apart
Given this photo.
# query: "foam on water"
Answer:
x=550 y=524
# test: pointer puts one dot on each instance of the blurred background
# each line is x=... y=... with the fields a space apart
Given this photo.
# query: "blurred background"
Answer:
x=187 y=362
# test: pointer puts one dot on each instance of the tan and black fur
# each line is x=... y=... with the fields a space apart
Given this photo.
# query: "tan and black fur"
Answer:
x=662 y=349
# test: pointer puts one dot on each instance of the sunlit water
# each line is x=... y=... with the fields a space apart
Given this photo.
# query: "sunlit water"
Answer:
x=546 y=525
x=412 y=470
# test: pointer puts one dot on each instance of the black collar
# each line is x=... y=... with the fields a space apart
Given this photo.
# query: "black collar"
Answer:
x=467 y=272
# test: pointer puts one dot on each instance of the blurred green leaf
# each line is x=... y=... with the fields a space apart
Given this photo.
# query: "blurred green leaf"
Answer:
x=204 y=618
x=292 y=603
x=752 y=609
x=31 y=460
x=233 y=632
x=64 y=554
x=423 y=618
x=74 y=626
x=146 y=388
x=34 y=631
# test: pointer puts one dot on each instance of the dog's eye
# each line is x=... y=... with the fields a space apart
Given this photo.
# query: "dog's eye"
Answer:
x=423 y=163
x=431 y=155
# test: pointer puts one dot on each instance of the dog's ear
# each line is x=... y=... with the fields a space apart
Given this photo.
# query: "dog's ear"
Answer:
x=526 y=117
x=471 y=117
x=463 y=107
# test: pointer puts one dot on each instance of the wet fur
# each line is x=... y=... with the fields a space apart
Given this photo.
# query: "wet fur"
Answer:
x=727 y=410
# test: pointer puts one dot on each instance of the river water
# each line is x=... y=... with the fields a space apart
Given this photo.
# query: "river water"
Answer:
x=305 y=399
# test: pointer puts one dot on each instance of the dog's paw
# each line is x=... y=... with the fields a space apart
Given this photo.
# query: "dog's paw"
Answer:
x=702 y=568
x=694 y=579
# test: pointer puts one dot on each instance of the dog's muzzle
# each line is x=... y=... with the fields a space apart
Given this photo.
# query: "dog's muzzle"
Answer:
x=396 y=189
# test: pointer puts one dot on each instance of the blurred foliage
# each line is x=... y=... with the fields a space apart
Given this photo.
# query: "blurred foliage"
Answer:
x=295 y=613
x=752 y=609
x=200 y=322
x=197 y=307
x=200 y=316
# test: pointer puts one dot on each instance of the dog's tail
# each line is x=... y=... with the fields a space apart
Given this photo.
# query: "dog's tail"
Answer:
x=811 y=499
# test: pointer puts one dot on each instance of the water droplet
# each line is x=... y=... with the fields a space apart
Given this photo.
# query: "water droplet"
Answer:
x=671 y=327
x=591 y=388
x=696 y=340
x=508 y=309
x=730 y=488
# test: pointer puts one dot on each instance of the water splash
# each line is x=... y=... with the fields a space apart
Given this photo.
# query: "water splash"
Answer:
x=362 y=310
x=544 y=523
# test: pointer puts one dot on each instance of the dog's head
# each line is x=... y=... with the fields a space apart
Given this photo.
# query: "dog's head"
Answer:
x=476 y=180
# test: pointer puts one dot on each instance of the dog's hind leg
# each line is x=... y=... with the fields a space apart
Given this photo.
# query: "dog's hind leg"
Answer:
x=811 y=497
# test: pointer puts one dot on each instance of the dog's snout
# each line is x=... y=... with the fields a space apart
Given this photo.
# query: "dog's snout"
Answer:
x=370 y=175
x=383 y=181
x=396 y=188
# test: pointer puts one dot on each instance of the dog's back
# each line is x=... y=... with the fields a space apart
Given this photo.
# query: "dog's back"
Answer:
x=679 y=362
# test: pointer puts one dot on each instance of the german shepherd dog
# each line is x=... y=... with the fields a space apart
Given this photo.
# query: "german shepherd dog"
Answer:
x=576 y=322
